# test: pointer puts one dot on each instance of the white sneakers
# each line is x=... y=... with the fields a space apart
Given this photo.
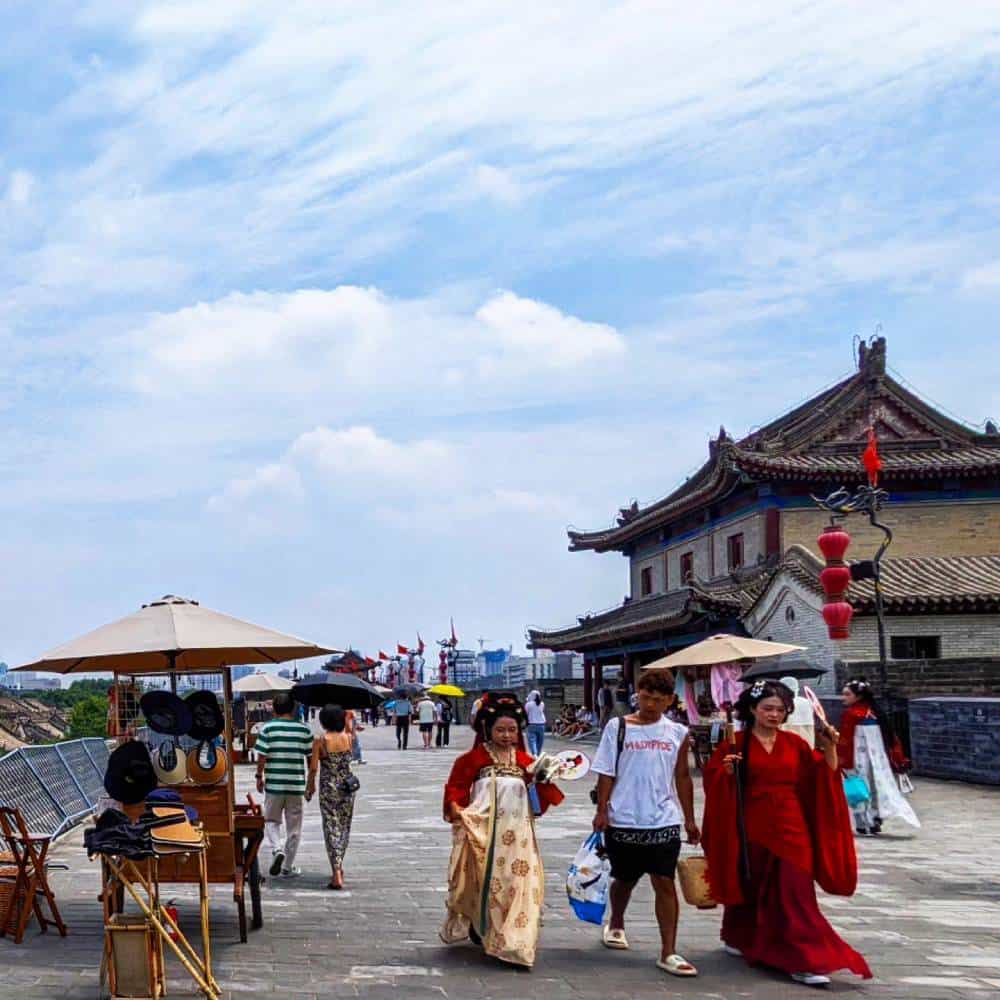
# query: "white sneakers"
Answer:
x=811 y=979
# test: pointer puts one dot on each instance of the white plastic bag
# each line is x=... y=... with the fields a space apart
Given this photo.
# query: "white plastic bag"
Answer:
x=588 y=879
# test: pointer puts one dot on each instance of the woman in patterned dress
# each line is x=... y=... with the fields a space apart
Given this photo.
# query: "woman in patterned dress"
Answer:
x=495 y=876
x=331 y=756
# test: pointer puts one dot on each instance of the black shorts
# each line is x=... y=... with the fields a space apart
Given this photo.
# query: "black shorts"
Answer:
x=426 y=727
x=634 y=853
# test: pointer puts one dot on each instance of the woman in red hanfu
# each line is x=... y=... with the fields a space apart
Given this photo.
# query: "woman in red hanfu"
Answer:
x=495 y=877
x=798 y=832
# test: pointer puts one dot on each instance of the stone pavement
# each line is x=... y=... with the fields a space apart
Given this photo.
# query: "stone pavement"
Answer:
x=926 y=914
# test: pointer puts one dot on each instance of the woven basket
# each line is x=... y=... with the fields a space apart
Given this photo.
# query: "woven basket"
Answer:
x=693 y=873
x=8 y=883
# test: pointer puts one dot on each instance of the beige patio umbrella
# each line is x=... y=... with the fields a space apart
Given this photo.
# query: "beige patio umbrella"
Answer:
x=177 y=635
x=261 y=683
x=722 y=649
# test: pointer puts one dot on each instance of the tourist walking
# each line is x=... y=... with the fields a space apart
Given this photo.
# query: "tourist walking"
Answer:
x=496 y=882
x=534 y=709
x=283 y=746
x=426 y=713
x=605 y=704
x=644 y=794
x=331 y=757
x=445 y=715
x=869 y=749
x=402 y=710
x=800 y=721
x=793 y=830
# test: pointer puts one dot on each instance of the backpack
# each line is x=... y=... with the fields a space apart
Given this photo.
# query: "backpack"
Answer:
x=445 y=714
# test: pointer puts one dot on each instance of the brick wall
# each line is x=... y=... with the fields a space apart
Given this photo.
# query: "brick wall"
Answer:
x=961 y=635
x=965 y=676
x=956 y=738
x=929 y=528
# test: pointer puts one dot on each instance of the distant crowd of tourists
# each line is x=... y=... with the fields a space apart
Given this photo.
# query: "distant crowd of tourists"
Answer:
x=776 y=820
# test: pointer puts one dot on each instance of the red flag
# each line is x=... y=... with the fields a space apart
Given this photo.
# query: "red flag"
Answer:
x=383 y=656
x=454 y=638
x=420 y=645
x=370 y=662
x=401 y=650
x=870 y=459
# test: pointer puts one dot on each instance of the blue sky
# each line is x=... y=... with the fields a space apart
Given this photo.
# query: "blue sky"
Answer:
x=335 y=321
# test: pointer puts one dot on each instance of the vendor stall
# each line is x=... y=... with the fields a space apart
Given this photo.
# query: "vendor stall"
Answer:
x=190 y=739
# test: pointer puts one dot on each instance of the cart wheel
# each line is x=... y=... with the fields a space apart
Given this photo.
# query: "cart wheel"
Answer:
x=257 y=920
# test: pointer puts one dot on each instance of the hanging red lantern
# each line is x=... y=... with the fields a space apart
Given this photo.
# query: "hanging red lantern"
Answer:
x=837 y=616
x=833 y=543
x=835 y=579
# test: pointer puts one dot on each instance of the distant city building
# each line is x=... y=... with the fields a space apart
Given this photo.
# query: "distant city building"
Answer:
x=238 y=673
x=465 y=672
x=29 y=680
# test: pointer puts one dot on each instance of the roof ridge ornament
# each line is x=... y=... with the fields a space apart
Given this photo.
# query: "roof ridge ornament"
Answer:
x=871 y=358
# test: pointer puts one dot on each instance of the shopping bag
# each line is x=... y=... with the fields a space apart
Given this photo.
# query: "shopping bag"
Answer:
x=588 y=879
x=856 y=790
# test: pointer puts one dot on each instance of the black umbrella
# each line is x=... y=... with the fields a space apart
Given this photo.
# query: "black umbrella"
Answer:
x=408 y=690
x=345 y=690
x=777 y=669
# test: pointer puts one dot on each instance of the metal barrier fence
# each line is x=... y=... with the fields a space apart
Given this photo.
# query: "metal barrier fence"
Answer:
x=54 y=786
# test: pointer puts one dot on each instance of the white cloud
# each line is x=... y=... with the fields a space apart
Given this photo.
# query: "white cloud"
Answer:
x=350 y=340
x=20 y=187
x=984 y=279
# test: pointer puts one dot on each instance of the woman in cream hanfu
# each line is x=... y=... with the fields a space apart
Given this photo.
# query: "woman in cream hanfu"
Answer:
x=495 y=876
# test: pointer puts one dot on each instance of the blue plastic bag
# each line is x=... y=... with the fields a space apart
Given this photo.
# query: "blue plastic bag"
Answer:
x=857 y=791
x=588 y=879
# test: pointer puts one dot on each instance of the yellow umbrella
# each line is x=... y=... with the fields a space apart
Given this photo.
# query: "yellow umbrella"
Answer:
x=722 y=649
x=449 y=690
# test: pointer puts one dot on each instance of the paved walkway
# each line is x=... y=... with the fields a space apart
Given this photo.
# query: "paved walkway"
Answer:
x=926 y=913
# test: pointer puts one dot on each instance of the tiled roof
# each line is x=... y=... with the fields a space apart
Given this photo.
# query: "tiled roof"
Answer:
x=729 y=595
x=913 y=584
x=927 y=463
x=648 y=614
x=822 y=439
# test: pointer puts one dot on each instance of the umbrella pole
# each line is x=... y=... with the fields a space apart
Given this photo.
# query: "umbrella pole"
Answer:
x=741 y=828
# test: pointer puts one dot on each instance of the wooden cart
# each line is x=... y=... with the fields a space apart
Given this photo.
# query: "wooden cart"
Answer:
x=234 y=831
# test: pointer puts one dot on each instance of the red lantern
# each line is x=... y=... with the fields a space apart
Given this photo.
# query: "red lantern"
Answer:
x=833 y=543
x=835 y=579
x=838 y=619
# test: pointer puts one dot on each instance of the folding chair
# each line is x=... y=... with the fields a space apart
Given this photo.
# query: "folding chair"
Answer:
x=29 y=873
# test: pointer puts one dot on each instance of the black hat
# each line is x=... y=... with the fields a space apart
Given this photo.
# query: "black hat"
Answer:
x=206 y=716
x=166 y=712
x=130 y=776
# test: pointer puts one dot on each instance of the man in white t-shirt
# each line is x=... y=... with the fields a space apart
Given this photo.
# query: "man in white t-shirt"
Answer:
x=644 y=794
x=426 y=714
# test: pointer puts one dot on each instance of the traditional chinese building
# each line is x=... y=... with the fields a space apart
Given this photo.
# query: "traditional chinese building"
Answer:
x=732 y=548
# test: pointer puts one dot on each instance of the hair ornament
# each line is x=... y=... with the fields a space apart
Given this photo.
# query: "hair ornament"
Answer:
x=758 y=689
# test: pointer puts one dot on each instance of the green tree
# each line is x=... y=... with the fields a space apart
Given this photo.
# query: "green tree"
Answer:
x=88 y=717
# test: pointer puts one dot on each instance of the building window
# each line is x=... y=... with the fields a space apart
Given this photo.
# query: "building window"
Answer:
x=646 y=582
x=734 y=549
x=790 y=614
x=687 y=566
x=915 y=647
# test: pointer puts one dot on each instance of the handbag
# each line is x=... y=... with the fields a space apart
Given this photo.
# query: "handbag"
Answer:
x=349 y=785
x=693 y=875
x=857 y=791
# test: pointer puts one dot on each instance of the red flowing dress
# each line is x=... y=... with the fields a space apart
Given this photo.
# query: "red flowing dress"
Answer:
x=799 y=832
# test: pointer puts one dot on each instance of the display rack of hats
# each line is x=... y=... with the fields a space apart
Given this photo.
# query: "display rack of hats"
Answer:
x=185 y=751
x=153 y=827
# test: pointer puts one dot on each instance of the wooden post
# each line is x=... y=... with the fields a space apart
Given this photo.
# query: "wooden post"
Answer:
x=588 y=683
x=227 y=713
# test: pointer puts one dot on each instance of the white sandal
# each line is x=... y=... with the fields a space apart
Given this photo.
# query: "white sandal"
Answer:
x=614 y=937
x=676 y=965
